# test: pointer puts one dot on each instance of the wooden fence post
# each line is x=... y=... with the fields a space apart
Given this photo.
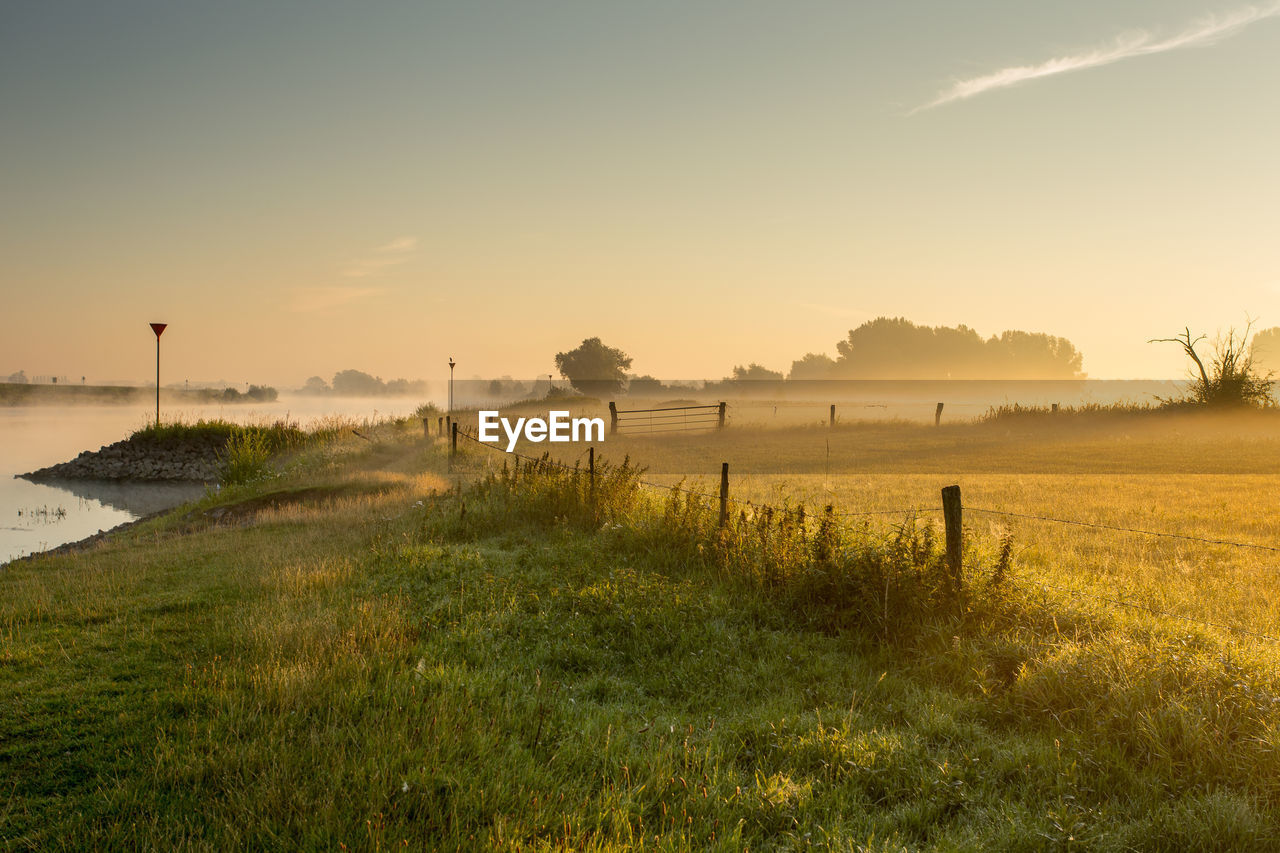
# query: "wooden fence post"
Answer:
x=613 y=417
x=952 y=514
x=724 y=494
x=1055 y=408
x=833 y=414
x=426 y=427
x=720 y=425
x=440 y=425
x=453 y=450
x=937 y=415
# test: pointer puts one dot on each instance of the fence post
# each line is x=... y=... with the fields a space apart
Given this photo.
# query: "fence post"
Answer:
x=1055 y=407
x=453 y=450
x=721 y=426
x=724 y=493
x=952 y=516
x=613 y=417
x=937 y=415
x=440 y=425
x=426 y=427
x=833 y=414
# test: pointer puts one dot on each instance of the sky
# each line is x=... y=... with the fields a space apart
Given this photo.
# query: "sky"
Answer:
x=303 y=188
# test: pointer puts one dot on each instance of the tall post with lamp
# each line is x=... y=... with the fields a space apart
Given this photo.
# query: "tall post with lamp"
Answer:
x=451 y=366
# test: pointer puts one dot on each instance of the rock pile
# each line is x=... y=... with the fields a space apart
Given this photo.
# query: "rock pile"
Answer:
x=178 y=459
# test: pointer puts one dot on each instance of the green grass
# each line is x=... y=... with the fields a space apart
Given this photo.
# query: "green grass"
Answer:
x=248 y=452
x=372 y=651
x=277 y=436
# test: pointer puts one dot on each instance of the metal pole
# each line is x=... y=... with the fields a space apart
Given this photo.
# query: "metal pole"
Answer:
x=451 y=364
x=158 y=328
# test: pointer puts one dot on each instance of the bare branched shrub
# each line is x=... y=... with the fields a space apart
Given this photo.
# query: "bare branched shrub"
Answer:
x=1230 y=379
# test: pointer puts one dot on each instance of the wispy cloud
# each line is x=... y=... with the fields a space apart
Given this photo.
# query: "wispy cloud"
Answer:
x=320 y=298
x=400 y=244
x=392 y=254
x=1203 y=32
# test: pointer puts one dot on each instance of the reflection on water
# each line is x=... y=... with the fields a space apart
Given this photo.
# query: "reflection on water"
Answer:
x=137 y=499
x=57 y=512
x=46 y=514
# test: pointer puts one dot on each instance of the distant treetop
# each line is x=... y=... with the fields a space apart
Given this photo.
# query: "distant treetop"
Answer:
x=357 y=383
x=896 y=348
x=594 y=368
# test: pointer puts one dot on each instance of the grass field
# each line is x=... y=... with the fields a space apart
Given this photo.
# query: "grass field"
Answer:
x=376 y=649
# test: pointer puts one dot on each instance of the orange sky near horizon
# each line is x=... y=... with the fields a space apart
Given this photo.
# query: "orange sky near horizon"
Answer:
x=307 y=188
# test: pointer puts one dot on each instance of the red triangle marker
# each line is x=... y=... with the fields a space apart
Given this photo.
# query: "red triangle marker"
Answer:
x=158 y=328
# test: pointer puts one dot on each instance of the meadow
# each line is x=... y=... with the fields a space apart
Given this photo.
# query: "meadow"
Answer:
x=376 y=645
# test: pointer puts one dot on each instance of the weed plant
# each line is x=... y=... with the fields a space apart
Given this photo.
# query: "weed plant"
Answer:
x=831 y=575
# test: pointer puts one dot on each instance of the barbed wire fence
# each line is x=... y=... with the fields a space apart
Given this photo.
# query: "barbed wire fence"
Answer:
x=951 y=508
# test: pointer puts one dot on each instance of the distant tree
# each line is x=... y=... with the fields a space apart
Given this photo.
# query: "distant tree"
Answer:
x=1230 y=379
x=594 y=368
x=262 y=393
x=896 y=348
x=19 y=378
x=812 y=366
x=645 y=386
x=756 y=373
x=315 y=385
x=356 y=383
x=1034 y=355
x=506 y=387
x=403 y=387
x=1265 y=349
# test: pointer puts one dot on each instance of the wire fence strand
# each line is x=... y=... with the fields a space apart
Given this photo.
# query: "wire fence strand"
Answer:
x=1182 y=536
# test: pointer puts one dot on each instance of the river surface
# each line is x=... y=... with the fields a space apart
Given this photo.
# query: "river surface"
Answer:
x=38 y=516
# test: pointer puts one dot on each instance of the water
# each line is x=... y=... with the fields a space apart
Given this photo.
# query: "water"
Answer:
x=38 y=516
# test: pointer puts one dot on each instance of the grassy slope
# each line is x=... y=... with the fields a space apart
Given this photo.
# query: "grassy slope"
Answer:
x=364 y=669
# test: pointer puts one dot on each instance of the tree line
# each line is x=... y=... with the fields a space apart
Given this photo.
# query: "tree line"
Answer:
x=357 y=383
x=884 y=348
x=896 y=348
